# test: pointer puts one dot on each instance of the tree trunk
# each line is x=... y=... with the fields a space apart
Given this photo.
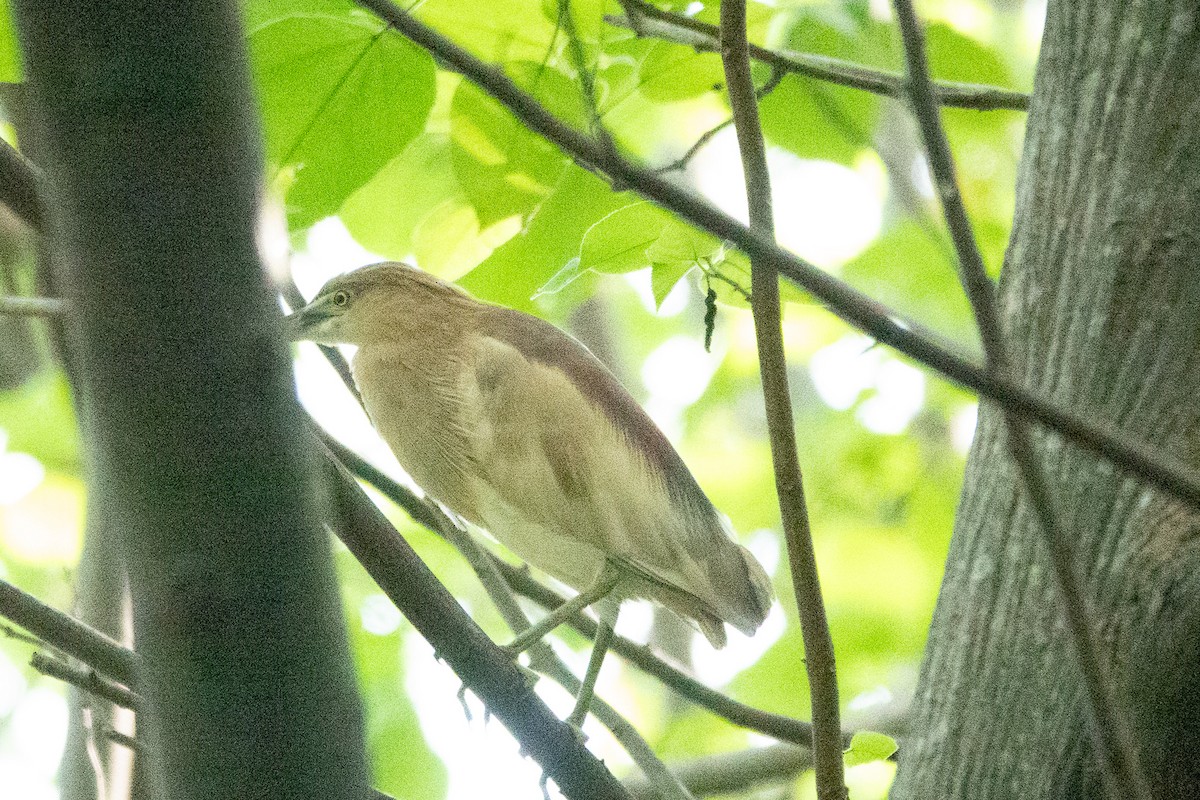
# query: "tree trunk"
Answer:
x=199 y=461
x=1101 y=303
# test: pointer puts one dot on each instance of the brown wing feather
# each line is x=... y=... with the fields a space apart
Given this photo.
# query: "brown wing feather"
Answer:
x=739 y=585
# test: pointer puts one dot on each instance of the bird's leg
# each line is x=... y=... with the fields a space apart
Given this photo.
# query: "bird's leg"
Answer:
x=587 y=689
x=533 y=634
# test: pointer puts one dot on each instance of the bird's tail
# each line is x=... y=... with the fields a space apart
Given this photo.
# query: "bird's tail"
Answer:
x=753 y=603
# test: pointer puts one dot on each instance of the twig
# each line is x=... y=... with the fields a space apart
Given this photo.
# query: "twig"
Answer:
x=857 y=309
x=772 y=365
x=1111 y=729
x=20 y=636
x=543 y=660
x=587 y=83
x=645 y=19
x=12 y=306
x=88 y=680
x=732 y=773
x=68 y=634
x=123 y=739
x=21 y=187
x=710 y=134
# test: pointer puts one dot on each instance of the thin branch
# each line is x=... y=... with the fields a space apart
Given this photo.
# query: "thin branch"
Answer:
x=765 y=307
x=857 y=309
x=484 y=668
x=68 y=634
x=543 y=660
x=711 y=133
x=646 y=19
x=733 y=773
x=12 y=306
x=1111 y=729
x=20 y=187
x=587 y=81
x=21 y=636
x=123 y=739
x=87 y=679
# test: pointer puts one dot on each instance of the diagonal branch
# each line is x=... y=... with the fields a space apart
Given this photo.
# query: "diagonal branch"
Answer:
x=1110 y=720
x=646 y=19
x=22 y=190
x=87 y=679
x=855 y=308
x=69 y=635
x=765 y=307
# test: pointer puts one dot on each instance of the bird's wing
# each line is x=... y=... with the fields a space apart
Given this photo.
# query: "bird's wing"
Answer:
x=567 y=447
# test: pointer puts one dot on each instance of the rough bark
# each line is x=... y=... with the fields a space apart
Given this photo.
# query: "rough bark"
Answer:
x=1100 y=300
x=195 y=441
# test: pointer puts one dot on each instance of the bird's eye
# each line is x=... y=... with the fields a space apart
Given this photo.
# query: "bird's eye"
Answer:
x=340 y=298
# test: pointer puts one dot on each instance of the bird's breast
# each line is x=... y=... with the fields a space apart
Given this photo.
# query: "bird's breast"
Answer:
x=415 y=402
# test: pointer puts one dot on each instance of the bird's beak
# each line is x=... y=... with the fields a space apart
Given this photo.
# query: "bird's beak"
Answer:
x=306 y=323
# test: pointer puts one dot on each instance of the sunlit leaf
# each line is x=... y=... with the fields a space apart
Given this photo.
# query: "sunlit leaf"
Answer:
x=340 y=97
x=10 y=53
x=664 y=275
x=621 y=241
x=551 y=238
x=868 y=746
x=673 y=72
x=384 y=214
x=502 y=166
x=505 y=31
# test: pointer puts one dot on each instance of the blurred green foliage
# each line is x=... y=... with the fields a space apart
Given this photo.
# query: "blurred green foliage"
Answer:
x=418 y=164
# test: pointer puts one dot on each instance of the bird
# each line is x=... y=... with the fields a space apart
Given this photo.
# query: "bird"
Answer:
x=516 y=427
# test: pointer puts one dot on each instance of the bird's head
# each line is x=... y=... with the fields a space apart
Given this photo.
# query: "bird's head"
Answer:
x=374 y=302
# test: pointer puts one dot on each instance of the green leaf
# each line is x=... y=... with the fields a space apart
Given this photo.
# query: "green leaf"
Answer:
x=587 y=14
x=957 y=57
x=817 y=120
x=502 y=32
x=502 y=166
x=10 y=54
x=663 y=277
x=620 y=242
x=449 y=241
x=868 y=746
x=383 y=215
x=258 y=13
x=682 y=247
x=551 y=238
x=672 y=72
x=341 y=96
x=642 y=234
x=912 y=269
